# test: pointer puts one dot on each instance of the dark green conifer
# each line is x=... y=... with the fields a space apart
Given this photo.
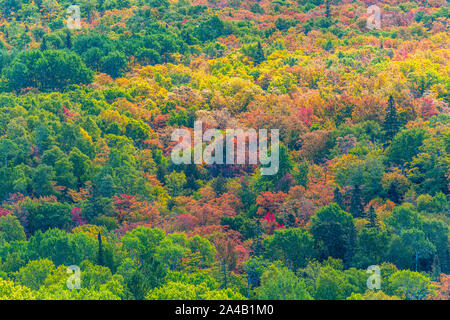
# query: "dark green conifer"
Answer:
x=100 y=258
x=372 y=217
x=68 y=40
x=259 y=54
x=338 y=198
x=356 y=203
x=391 y=124
x=44 y=44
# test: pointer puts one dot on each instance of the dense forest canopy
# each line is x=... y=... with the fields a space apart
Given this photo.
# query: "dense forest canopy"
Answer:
x=87 y=181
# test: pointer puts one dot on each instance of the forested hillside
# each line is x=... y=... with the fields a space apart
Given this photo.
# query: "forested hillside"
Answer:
x=87 y=180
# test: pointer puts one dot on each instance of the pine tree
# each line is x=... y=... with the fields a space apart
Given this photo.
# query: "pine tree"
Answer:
x=327 y=8
x=68 y=40
x=257 y=244
x=100 y=258
x=338 y=198
x=100 y=5
x=391 y=123
x=219 y=185
x=105 y=186
x=356 y=203
x=372 y=217
x=259 y=54
x=43 y=44
x=436 y=268
x=393 y=194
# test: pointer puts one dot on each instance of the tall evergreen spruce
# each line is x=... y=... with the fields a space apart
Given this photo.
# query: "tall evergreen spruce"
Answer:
x=43 y=46
x=327 y=8
x=356 y=203
x=391 y=124
x=338 y=198
x=393 y=194
x=372 y=217
x=257 y=244
x=436 y=268
x=220 y=184
x=100 y=258
x=68 y=40
x=259 y=55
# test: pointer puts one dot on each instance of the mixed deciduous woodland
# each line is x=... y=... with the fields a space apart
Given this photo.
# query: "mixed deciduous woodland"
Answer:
x=86 y=177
